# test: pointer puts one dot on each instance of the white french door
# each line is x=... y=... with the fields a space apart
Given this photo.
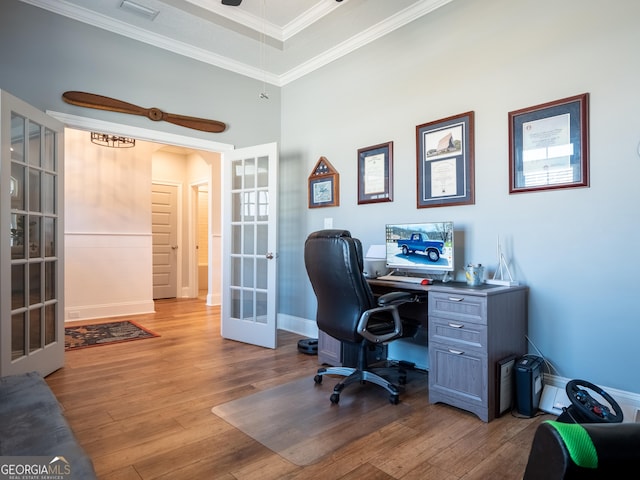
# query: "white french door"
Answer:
x=249 y=225
x=31 y=239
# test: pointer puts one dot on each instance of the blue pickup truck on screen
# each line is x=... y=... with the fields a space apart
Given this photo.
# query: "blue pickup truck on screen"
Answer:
x=419 y=242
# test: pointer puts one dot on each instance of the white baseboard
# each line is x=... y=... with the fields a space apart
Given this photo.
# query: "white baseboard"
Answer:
x=90 y=312
x=554 y=397
x=214 y=300
x=301 y=326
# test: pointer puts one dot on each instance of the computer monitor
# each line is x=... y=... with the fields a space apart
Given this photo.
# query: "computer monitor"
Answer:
x=420 y=247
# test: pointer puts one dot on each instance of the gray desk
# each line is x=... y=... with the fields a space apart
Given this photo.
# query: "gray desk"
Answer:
x=470 y=329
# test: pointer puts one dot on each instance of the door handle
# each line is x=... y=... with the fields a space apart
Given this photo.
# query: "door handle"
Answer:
x=269 y=256
x=174 y=247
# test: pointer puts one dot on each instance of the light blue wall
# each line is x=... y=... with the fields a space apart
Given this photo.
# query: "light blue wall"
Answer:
x=577 y=249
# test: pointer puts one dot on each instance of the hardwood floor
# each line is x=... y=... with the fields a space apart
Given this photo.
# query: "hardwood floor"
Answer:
x=142 y=410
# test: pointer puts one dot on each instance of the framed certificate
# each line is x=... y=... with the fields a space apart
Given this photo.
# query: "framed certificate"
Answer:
x=445 y=162
x=549 y=145
x=375 y=173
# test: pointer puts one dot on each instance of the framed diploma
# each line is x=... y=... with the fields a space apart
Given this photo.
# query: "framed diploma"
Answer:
x=445 y=162
x=375 y=173
x=549 y=145
x=324 y=185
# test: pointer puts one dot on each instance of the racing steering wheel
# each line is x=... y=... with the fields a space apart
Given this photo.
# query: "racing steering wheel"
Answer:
x=587 y=408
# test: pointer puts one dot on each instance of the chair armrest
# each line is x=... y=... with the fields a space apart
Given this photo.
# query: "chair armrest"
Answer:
x=363 y=324
x=396 y=298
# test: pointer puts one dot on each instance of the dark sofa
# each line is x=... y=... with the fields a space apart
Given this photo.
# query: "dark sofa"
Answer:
x=32 y=424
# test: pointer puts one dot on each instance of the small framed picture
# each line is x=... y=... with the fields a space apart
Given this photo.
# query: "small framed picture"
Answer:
x=445 y=157
x=375 y=173
x=549 y=145
x=324 y=185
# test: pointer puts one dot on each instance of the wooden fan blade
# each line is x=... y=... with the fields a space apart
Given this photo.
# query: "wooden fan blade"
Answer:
x=100 y=102
x=91 y=100
x=203 y=124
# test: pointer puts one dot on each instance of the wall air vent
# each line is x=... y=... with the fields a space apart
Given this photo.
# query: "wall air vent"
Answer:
x=140 y=10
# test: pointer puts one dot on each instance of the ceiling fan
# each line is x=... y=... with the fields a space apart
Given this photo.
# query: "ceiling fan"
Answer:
x=91 y=100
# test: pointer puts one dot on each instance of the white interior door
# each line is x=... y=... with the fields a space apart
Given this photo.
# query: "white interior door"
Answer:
x=249 y=224
x=164 y=226
x=31 y=239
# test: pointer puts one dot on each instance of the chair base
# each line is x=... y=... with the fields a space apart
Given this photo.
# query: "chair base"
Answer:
x=353 y=375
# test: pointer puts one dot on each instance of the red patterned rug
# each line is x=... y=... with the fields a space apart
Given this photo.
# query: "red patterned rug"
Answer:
x=104 y=334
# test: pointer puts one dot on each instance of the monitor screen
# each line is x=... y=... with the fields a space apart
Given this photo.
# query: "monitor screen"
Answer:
x=423 y=247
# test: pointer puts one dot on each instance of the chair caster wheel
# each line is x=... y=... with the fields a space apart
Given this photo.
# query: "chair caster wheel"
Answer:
x=394 y=399
x=335 y=398
x=317 y=379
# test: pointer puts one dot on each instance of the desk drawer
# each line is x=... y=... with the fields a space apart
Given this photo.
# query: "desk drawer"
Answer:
x=458 y=334
x=468 y=308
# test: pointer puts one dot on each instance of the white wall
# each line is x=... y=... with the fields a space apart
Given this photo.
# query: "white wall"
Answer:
x=107 y=228
x=577 y=248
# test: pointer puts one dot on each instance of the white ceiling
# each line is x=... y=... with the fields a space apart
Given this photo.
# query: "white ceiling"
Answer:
x=275 y=41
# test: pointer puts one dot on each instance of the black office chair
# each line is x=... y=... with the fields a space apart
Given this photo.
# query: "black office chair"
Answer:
x=347 y=309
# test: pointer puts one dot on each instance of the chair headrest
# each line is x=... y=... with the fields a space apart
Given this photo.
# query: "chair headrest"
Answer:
x=330 y=233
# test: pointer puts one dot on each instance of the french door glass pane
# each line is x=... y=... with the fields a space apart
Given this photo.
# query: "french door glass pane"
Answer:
x=248 y=240
x=48 y=193
x=235 y=309
x=17 y=137
x=247 y=304
x=261 y=272
x=249 y=170
x=17 y=186
x=236 y=264
x=261 y=307
x=18 y=298
x=34 y=191
x=34 y=144
x=263 y=172
x=17 y=335
x=49 y=236
x=247 y=269
x=35 y=284
x=49 y=324
x=34 y=236
x=35 y=330
x=49 y=281
x=262 y=239
x=49 y=156
x=17 y=236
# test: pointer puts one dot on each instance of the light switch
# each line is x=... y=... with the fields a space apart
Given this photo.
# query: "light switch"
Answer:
x=328 y=222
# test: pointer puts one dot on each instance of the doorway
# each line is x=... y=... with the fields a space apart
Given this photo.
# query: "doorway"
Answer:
x=135 y=242
x=202 y=239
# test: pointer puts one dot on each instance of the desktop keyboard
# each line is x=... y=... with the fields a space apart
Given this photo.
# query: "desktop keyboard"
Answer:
x=401 y=278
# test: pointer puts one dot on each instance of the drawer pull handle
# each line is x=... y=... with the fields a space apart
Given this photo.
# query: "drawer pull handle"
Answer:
x=455 y=352
x=456 y=299
x=456 y=325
